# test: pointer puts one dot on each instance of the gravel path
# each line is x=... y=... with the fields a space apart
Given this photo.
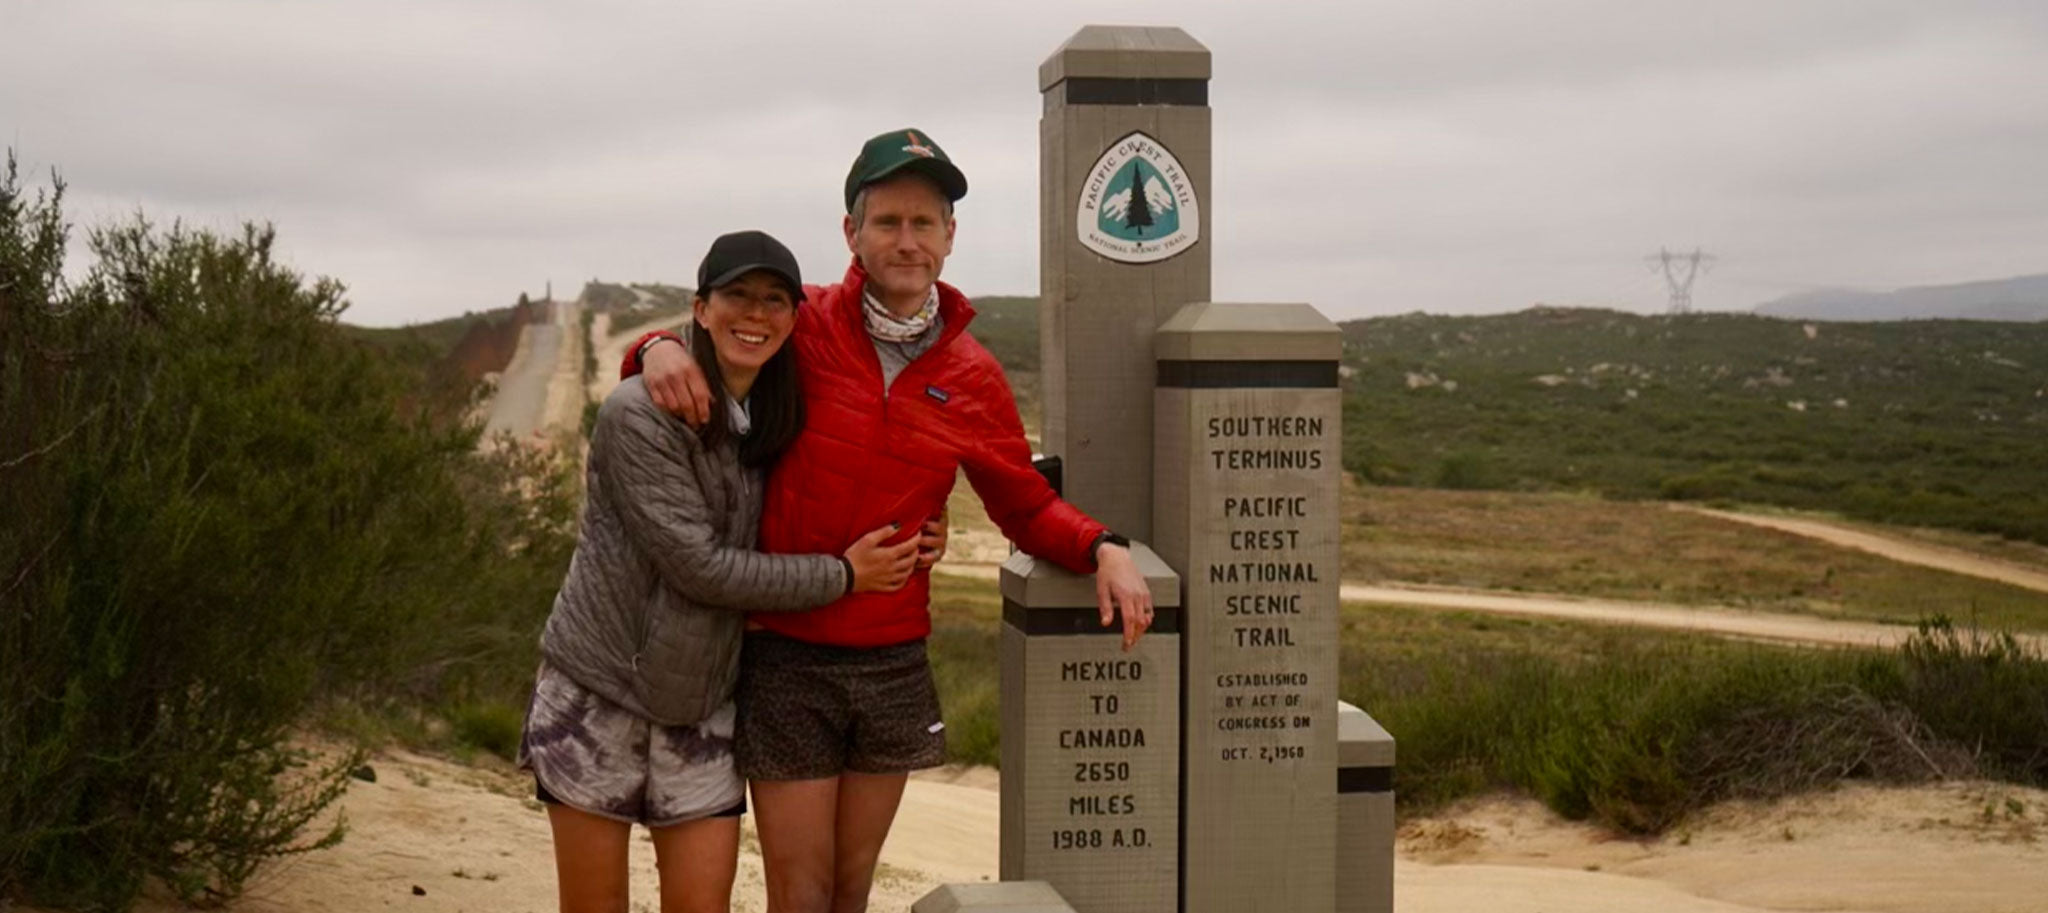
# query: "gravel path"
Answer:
x=1945 y=559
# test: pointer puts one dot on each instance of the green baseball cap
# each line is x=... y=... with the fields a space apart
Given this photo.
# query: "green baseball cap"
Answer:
x=900 y=149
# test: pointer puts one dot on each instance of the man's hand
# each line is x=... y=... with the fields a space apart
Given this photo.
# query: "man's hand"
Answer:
x=1119 y=585
x=931 y=539
x=675 y=382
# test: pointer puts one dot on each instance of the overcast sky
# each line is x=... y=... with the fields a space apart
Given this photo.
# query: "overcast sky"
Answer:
x=1370 y=157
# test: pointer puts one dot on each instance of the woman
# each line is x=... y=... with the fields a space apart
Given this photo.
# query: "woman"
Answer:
x=632 y=714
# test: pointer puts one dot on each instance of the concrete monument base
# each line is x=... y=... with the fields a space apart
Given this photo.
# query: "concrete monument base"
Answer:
x=996 y=897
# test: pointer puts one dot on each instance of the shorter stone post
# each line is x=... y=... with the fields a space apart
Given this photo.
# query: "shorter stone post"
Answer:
x=1247 y=451
x=1091 y=739
x=1365 y=813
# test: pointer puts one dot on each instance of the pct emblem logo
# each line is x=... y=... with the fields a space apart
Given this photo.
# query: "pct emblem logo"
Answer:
x=1138 y=204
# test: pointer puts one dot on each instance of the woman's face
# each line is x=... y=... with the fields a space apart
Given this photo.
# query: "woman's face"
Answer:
x=748 y=320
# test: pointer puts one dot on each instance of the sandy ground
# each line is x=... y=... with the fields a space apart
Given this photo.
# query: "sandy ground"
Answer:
x=1965 y=847
x=432 y=836
x=436 y=837
x=1946 y=559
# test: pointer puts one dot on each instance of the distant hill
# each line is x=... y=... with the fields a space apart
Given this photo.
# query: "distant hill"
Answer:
x=1937 y=423
x=2022 y=298
x=1007 y=325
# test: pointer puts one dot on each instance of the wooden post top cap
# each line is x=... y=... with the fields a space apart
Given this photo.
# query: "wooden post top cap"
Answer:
x=1125 y=52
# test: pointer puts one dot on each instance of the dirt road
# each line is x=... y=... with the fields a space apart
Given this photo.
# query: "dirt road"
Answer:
x=540 y=392
x=1945 y=559
x=1726 y=622
x=523 y=388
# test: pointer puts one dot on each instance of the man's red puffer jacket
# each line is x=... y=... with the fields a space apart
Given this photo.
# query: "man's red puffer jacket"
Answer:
x=866 y=459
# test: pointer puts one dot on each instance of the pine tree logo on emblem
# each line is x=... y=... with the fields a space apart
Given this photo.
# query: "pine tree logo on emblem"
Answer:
x=1138 y=204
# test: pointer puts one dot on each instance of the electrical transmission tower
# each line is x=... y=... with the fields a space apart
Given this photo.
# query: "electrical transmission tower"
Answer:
x=1679 y=272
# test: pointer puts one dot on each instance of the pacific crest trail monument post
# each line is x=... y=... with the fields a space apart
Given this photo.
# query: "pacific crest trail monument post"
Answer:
x=1206 y=770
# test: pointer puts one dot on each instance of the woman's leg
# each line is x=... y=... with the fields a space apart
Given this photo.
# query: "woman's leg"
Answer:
x=867 y=808
x=697 y=860
x=796 y=823
x=590 y=860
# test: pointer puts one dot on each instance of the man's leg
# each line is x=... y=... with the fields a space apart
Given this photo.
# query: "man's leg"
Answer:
x=867 y=808
x=590 y=860
x=897 y=730
x=795 y=821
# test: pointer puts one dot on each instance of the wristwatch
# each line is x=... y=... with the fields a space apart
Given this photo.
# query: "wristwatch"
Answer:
x=640 y=354
x=1109 y=538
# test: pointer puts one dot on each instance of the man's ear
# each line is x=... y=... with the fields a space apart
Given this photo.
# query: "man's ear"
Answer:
x=846 y=225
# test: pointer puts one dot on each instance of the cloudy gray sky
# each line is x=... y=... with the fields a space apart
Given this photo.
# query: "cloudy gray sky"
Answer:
x=1371 y=157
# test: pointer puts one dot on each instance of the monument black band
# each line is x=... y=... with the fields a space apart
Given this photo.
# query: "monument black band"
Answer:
x=1213 y=375
x=1365 y=780
x=1098 y=90
x=1080 y=620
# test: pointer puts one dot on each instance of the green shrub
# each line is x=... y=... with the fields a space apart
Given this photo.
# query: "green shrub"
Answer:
x=1710 y=485
x=1982 y=690
x=489 y=725
x=964 y=663
x=1641 y=735
x=587 y=321
x=221 y=507
x=1467 y=470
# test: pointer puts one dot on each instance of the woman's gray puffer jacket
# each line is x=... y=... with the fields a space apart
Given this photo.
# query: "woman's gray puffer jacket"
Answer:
x=650 y=616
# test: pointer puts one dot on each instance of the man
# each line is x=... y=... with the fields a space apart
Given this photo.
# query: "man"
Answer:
x=836 y=704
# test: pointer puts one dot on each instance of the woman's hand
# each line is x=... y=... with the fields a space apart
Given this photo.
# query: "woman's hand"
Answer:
x=879 y=568
x=931 y=539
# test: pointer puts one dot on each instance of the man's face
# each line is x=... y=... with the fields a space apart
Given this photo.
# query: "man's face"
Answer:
x=904 y=238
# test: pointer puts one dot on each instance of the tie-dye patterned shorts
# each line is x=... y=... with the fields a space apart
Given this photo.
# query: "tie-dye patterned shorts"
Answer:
x=591 y=754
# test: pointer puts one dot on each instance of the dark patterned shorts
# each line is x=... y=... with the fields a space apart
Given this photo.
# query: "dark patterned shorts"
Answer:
x=808 y=711
x=593 y=755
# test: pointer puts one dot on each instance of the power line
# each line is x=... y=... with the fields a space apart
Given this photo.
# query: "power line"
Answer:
x=1679 y=272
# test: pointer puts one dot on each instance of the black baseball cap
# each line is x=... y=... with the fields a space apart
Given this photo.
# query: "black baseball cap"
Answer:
x=898 y=150
x=742 y=252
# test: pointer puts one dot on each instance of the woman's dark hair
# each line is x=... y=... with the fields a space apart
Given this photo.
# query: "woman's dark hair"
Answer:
x=776 y=405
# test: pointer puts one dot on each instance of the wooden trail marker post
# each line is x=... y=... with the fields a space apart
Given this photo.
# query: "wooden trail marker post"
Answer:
x=1091 y=735
x=1202 y=771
